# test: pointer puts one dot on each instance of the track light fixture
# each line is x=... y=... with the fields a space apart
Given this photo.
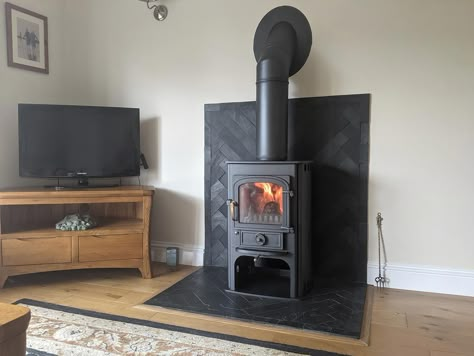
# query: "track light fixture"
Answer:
x=159 y=11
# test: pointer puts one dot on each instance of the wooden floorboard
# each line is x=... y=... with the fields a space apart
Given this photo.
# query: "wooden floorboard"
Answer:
x=402 y=323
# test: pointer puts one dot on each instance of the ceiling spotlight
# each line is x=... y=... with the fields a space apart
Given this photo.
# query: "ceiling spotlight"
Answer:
x=159 y=11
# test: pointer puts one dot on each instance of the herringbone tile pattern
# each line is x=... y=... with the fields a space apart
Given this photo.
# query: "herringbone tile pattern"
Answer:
x=230 y=136
x=333 y=132
x=337 y=309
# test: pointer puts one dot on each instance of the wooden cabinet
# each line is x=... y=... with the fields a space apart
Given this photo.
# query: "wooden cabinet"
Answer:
x=30 y=243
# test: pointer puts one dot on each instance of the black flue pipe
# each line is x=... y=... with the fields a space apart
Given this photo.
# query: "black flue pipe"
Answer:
x=273 y=71
x=282 y=44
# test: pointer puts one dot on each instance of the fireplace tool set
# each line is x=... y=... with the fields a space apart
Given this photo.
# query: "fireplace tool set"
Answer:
x=381 y=280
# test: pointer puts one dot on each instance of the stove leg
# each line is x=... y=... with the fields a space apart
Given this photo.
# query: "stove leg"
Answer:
x=293 y=286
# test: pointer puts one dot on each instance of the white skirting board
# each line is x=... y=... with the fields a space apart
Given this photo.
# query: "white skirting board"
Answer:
x=410 y=277
x=425 y=279
x=190 y=255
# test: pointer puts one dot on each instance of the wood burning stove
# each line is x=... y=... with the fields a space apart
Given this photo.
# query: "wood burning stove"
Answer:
x=269 y=228
x=269 y=200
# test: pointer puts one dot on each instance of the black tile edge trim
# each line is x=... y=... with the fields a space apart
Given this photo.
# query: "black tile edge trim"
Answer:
x=33 y=352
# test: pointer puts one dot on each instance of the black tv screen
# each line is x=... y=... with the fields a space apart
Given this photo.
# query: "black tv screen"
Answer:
x=78 y=141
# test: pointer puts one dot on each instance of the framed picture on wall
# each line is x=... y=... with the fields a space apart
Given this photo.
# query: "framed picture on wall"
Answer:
x=27 y=39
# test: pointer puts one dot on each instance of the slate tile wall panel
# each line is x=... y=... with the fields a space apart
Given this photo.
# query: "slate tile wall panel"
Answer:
x=333 y=132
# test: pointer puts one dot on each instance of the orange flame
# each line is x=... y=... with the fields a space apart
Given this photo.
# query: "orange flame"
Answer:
x=272 y=193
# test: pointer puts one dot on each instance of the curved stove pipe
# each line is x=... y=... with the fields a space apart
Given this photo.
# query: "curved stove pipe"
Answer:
x=282 y=44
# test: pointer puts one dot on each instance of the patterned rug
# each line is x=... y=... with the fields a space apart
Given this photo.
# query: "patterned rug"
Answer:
x=59 y=330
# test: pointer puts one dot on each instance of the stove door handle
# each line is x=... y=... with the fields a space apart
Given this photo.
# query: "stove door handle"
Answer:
x=288 y=229
x=234 y=212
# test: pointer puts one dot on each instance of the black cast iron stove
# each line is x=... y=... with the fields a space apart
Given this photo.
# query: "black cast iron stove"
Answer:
x=269 y=228
x=270 y=199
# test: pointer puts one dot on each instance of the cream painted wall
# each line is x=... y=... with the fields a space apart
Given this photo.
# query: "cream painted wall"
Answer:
x=414 y=56
x=21 y=86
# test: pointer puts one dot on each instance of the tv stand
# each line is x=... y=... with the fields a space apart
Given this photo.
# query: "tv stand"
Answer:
x=78 y=187
x=82 y=182
x=30 y=243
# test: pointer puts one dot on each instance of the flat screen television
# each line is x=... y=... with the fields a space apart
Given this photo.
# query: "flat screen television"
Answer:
x=63 y=141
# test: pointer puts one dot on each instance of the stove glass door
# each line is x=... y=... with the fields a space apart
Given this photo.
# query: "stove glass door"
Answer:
x=262 y=202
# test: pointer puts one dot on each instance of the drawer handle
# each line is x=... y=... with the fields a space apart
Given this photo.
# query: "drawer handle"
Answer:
x=260 y=239
x=34 y=238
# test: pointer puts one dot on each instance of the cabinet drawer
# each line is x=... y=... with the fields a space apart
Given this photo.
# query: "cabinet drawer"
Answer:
x=110 y=247
x=36 y=251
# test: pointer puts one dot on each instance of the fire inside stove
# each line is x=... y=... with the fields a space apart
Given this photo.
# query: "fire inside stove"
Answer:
x=261 y=203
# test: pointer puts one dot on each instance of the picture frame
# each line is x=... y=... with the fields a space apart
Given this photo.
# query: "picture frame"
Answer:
x=27 y=39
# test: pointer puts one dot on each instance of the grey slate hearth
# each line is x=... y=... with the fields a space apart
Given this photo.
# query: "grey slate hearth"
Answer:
x=335 y=309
